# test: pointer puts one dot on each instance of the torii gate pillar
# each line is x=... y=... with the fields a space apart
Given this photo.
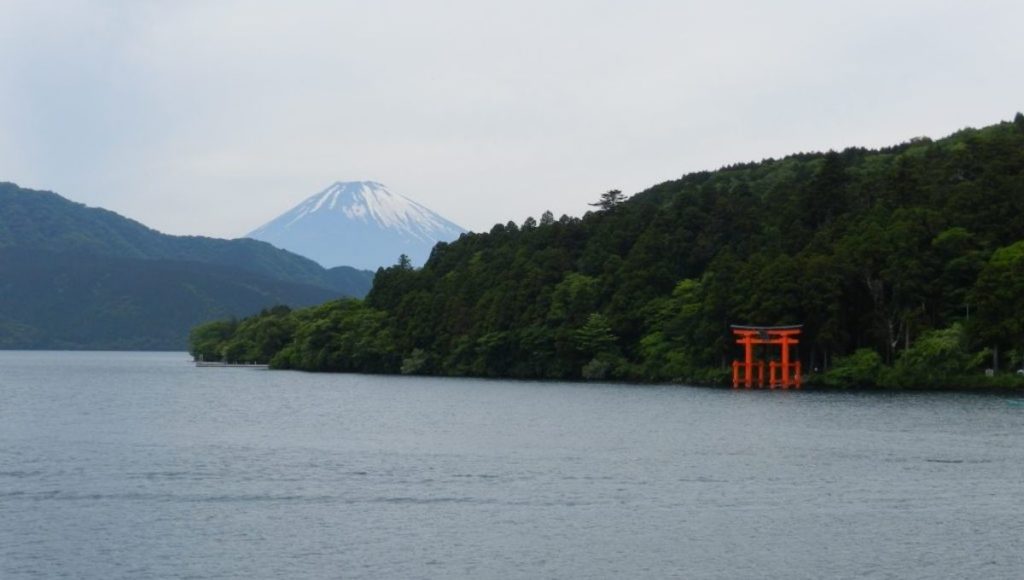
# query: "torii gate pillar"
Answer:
x=784 y=336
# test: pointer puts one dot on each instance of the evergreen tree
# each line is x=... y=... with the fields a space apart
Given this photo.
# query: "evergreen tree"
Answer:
x=609 y=199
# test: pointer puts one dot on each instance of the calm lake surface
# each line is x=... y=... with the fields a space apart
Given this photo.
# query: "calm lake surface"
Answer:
x=138 y=465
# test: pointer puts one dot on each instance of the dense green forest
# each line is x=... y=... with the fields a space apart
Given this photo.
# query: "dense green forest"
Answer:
x=70 y=301
x=905 y=265
x=75 y=277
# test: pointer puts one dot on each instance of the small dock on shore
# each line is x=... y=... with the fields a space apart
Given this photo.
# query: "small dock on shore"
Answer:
x=212 y=364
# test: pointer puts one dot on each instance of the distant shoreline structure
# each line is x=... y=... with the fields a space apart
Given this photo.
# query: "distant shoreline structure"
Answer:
x=202 y=363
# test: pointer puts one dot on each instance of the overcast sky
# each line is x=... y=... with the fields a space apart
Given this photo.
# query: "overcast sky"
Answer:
x=212 y=117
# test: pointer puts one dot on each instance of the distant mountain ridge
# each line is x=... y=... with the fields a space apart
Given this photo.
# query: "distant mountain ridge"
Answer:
x=358 y=223
x=45 y=220
x=75 y=301
x=77 y=277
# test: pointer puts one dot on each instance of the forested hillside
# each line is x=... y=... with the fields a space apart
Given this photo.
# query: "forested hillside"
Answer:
x=74 y=277
x=905 y=264
x=43 y=220
x=82 y=301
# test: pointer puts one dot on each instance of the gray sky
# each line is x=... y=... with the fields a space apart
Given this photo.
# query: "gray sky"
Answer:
x=212 y=117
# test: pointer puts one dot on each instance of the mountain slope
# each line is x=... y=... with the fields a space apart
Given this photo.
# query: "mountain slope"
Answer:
x=77 y=300
x=78 y=277
x=47 y=221
x=359 y=223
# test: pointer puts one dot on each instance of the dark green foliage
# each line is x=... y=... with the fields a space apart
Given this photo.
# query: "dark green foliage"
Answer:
x=257 y=338
x=863 y=368
x=75 y=301
x=76 y=277
x=595 y=338
x=340 y=336
x=936 y=359
x=880 y=254
x=610 y=199
x=43 y=220
x=207 y=340
x=999 y=299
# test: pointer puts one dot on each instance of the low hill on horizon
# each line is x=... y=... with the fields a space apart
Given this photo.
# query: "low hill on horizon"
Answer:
x=45 y=220
x=75 y=301
x=76 y=277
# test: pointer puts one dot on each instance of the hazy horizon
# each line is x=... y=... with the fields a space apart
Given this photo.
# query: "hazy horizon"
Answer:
x=482 y=113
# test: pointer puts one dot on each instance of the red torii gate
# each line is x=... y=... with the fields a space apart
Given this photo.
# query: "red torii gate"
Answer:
x=784 y=336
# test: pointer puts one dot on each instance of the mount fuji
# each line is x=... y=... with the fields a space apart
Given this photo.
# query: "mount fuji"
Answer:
x=360 y=224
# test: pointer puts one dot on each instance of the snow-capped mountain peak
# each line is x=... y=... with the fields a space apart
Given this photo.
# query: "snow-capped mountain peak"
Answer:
x=372 y=201
x=360 y=224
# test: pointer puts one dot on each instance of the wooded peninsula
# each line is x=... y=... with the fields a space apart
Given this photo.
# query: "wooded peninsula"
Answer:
x=904 y=264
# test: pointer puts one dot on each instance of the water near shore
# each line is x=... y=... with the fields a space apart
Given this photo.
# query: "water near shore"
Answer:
x=138 y=465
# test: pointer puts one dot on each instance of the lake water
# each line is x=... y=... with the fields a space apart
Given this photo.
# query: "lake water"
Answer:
x=138 y=465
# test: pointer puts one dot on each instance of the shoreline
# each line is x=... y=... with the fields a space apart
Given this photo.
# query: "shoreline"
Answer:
x=808 y=386
x=1015 y=386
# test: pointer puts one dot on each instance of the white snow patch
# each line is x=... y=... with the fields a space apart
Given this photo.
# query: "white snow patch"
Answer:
x=323 y=199
x=400 y=213
x=356 y=210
